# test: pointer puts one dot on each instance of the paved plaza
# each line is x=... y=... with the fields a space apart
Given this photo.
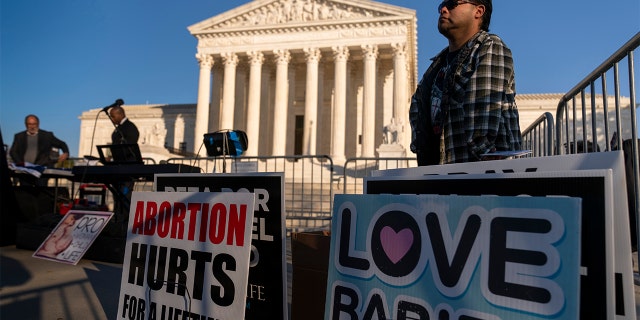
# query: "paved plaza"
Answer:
x=33 y=289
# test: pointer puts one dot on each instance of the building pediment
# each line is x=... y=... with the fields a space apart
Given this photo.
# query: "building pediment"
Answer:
x=260 y=15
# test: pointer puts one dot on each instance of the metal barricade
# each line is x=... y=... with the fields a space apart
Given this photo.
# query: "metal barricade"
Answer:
x=308 y=183
x=590 y=119
x=356 y=169
x=538 y=137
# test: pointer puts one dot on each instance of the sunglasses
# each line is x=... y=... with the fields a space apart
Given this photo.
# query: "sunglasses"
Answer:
x=452 y=4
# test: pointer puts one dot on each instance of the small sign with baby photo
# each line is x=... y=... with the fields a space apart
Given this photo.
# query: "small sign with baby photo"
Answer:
x=73 y=236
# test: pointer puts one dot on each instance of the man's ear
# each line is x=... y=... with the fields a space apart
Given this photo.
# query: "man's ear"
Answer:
x=480 y=10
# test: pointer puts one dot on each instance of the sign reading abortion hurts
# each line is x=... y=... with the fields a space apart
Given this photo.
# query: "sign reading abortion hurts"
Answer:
x=187 y=256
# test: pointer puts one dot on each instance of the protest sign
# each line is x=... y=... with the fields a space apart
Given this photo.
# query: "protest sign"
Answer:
x=454 y=257
x=267 y=287
x=607 y=290
x=187 y=256
x=73 y=236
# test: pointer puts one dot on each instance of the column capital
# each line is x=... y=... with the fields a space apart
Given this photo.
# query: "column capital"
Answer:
x=230 y=58
x=399 y=49
x=255 y=57
x=340 y=53
x=312 y=54
x=282 y=56
x=205 y=60
x=370 y=51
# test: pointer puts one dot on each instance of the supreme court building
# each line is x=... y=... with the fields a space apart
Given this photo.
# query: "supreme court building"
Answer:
x=307 y=76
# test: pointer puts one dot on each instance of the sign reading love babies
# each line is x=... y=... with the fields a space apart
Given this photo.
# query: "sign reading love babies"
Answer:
x=454 y=257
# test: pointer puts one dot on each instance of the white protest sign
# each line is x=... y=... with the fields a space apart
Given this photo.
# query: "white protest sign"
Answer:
x=187 y=256
x=73 y=236
x=267 y=287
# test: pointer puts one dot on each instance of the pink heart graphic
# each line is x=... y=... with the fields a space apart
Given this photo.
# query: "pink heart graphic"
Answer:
x=396 y=244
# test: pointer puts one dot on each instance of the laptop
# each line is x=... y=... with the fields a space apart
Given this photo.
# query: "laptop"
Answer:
x=119 y=154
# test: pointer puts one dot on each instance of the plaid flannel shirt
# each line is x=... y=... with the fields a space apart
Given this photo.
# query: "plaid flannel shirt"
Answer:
x=480 y=112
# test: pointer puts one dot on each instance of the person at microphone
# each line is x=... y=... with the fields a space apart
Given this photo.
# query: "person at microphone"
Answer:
x=125 y=131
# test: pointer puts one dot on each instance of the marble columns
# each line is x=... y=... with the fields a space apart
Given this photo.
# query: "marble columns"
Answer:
x=228 y=94
x=340 y=57
x=257 y=98
x=369 y=104
x=283 y=57
x=311 y=100
x=400 y=95
x=204 y=92
x=256 y=59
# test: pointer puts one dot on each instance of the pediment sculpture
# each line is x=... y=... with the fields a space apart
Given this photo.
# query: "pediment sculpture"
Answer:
x=292 y=11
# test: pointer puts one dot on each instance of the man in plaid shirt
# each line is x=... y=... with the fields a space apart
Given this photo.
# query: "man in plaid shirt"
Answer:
x=464 y=107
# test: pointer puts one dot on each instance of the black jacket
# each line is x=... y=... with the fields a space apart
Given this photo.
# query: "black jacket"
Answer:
x=127 y=132
x=46 y=141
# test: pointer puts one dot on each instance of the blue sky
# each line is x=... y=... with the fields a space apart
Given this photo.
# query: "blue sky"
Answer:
x=60 y=58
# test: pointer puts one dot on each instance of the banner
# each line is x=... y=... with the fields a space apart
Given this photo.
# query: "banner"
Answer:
x=73 y=236
x=267 y=288
x=454 y=257
x=187 y=256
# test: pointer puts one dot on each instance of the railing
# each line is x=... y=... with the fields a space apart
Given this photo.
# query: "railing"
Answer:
x=356 y=169
x=538 y=137
x=308 y=183
x=572 y=122
x=583 y=127
x=180 y=152
x=147 y=160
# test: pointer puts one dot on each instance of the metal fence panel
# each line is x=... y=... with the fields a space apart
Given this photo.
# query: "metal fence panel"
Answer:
x=308 y=183
x=590 y=119
x=538 y=137
x=356 y=169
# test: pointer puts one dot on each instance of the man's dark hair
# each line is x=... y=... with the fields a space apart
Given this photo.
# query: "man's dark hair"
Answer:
x=31 y=116
x=486 y=18
x=119 y=110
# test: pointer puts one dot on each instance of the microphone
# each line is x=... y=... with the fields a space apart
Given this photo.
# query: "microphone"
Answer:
x=118 y=103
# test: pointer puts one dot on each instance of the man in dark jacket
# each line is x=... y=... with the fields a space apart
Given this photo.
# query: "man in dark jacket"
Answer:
x=38 y=147
x=126 y=131
x=35 y=145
